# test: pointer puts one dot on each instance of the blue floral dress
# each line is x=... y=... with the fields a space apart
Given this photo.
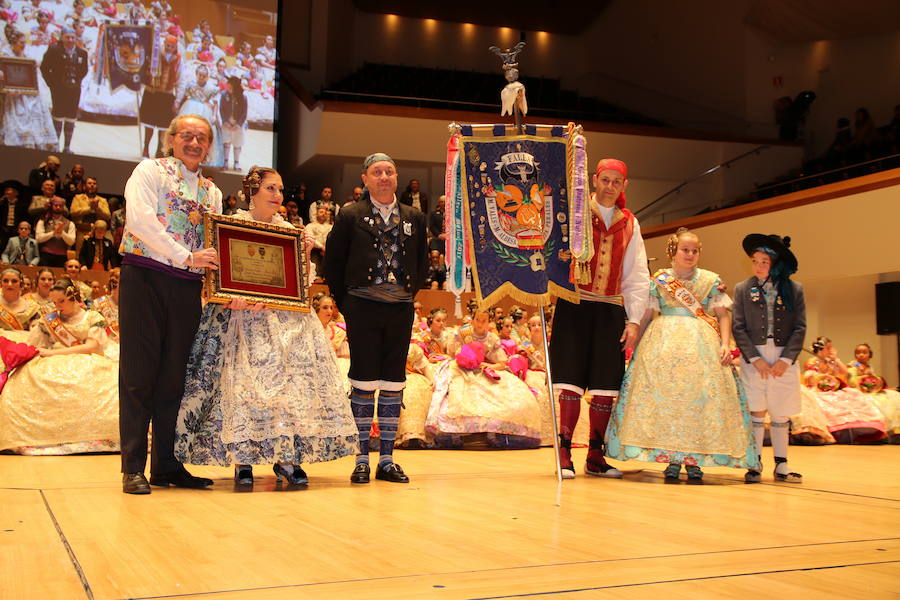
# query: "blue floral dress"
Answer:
x=263 y=387
x=678 y=403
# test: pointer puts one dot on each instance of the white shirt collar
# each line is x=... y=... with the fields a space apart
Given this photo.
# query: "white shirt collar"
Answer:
x=385 y=210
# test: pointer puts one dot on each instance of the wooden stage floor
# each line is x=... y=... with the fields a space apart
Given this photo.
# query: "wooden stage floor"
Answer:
x=470 y=525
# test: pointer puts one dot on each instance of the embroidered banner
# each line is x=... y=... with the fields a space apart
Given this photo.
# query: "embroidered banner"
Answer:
x=130 y=51
x=515 y=201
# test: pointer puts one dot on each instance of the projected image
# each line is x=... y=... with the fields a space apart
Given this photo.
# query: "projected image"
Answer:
x=105 y=78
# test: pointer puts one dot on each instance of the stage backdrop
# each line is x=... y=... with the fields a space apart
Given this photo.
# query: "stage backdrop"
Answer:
x=126 y=51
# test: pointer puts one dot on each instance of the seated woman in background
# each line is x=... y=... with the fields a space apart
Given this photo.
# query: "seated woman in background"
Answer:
x=411 y=432
x=864 y=378
x=427 y=349
x=262 y=385
x=108 y=306
x=41 y=293
x=437 y=339
x=852 y=418
x=26 y=285
x=323 y=306
x=66 y=400
x=16 y=312
x=476 y=394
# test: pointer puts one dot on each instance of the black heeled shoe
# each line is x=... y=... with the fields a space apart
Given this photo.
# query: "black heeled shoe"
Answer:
x=671 y=474
x=694 y=475
x=296 y=476
x=243 y=475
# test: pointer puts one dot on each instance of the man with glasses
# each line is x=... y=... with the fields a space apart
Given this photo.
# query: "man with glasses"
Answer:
x=162 y=269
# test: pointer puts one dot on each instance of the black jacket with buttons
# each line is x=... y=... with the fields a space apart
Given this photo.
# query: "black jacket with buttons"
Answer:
x=751 y=322
x=351 y=251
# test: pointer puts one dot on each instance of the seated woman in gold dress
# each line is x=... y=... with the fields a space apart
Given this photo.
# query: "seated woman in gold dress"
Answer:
x=66 y=400
x=16 y=312
x=887 y=400
x=852 y=418
x=476 y=394
x=41 y=293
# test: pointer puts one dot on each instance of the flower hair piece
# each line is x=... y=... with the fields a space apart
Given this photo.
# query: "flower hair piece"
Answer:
x=672 y=242
x=253 y=180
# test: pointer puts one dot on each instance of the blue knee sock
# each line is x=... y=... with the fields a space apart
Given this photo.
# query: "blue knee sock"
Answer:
x=362 y=403
x=389 y=404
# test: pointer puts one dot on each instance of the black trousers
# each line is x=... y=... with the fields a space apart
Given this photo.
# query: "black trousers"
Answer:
x=378 y=334
x=53 y=260
x=585 y=351
x=158 y=318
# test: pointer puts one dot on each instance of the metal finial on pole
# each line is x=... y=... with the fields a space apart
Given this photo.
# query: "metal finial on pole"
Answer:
x=512 y=97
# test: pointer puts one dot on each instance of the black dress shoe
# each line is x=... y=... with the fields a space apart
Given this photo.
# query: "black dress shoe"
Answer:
x=135 y=483
x=391 y=472
x=179 y=478
x=360 y=474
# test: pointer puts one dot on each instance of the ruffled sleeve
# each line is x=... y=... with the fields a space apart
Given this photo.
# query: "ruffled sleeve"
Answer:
x=720 y=300
x=38 y=336
x=97 y=329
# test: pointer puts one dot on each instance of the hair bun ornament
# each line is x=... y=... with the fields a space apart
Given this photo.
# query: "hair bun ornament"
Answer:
x=787 y=241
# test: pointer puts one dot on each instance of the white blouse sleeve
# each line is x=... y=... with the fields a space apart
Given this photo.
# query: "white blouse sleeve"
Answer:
x=141 y=193
x=722 y=300
x=635 y=277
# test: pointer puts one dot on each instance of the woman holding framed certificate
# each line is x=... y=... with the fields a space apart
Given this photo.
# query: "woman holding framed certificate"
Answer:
x=263 y=386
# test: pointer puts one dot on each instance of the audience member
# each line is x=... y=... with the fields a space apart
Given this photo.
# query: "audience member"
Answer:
x=325 y=201
x=55 y=234
x=318 y=231
x=41 y=292
x=97 y=252
x=293 y=213
x=73 y=184
x=356 y=195
x=437 y=271
x=87 y=208
x=436 y=234
x=44 y=171
x=117 y=224
x=230 y=205
x=22 y=249
x=40 y=205
x=13 y=210
x=412 y=196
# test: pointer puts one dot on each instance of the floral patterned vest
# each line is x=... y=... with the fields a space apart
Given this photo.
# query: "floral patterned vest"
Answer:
x=178 y=211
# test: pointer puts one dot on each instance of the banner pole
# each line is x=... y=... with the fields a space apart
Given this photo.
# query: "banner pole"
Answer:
x=552 y=397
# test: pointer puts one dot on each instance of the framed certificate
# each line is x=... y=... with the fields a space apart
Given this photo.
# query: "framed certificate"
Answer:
x=20 y=75
x=258 y=262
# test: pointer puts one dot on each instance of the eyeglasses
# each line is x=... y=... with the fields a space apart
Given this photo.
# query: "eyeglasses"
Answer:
x=187 y=136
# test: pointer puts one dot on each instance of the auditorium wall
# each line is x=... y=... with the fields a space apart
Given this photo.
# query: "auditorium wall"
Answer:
x=844 y=246
x=696 y=68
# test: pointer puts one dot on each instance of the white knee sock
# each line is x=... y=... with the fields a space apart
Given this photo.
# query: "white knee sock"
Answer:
x=759 y=433
x=779 y=436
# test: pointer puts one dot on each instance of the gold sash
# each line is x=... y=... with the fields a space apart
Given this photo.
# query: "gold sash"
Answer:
x=9 y=319
x=104 y=306
x=58 y=330
x=677 y=291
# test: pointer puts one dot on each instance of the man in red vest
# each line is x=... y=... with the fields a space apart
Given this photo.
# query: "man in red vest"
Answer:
x=587 y=352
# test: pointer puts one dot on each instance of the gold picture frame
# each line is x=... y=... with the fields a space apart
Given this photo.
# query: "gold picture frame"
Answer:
x=19 y=75
x=259 y=262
